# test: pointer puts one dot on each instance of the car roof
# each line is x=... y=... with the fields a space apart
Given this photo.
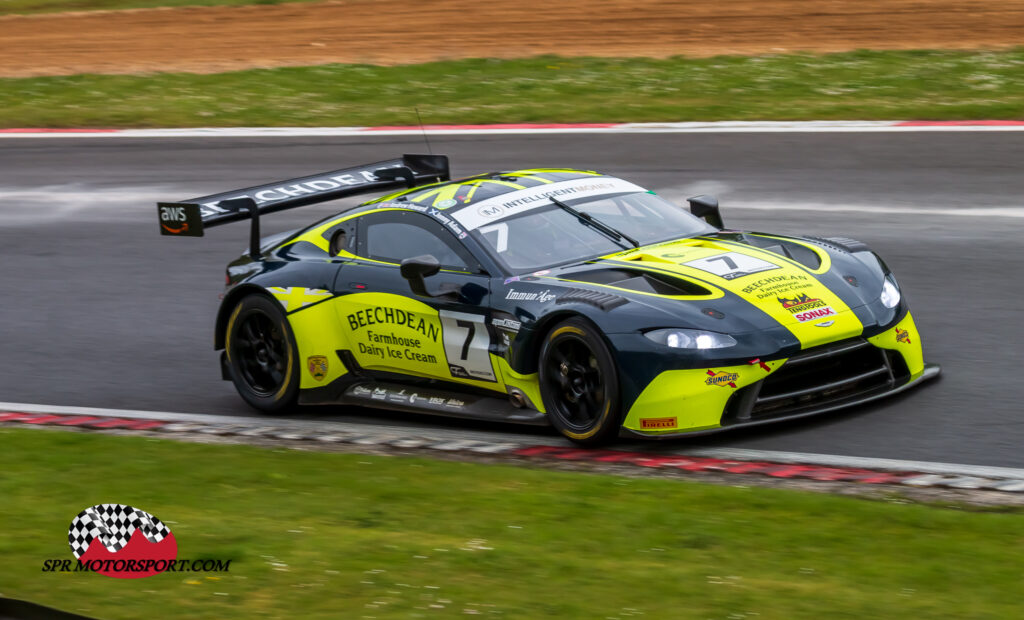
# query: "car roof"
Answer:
x=466 y=192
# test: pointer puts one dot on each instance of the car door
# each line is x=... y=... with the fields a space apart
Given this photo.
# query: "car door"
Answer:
x=392 y=330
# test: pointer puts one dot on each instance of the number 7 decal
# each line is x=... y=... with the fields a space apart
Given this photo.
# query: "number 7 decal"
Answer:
x=467 y=345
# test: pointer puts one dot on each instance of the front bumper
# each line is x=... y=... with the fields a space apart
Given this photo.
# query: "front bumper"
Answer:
x=825 y=378
x=930 y=371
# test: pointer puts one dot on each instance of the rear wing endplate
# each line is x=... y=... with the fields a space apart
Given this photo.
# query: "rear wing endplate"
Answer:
x=189 y=218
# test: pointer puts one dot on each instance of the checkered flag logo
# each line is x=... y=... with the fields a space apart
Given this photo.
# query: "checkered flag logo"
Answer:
x=112 y=525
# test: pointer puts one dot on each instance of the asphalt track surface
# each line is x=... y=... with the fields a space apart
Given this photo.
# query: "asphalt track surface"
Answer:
x=100 y=311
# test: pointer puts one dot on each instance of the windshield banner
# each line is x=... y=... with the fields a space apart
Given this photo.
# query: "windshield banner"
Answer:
x=513 y=203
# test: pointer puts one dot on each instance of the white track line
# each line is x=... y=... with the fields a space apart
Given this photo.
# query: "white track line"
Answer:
x=627 y=128
x=739 y=454
x=1008 y=211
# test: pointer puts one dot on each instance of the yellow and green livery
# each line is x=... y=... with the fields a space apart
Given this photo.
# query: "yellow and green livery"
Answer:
x=548 y=296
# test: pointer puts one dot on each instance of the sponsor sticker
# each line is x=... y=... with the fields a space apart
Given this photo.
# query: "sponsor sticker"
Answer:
x=512 y=203
x=180 y=219
x=658 y=423
x=317 y=365
x=806 y=308
x=508 y=324
x=445 y=204
x=903 y=335
x=542 y=297
x=722 y=379
x=731 y=265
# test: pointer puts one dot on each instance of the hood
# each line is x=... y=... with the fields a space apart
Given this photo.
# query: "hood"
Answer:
x=787 y=280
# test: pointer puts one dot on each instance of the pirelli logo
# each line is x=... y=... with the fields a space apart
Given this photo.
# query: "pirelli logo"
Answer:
x=653 y=423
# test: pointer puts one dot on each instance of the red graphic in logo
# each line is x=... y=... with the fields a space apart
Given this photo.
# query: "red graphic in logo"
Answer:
x=903 y=335
x=799 y=300
x=175 y=231
x=121 y=541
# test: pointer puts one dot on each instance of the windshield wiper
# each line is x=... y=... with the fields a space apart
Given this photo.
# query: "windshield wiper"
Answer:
x=590 y=220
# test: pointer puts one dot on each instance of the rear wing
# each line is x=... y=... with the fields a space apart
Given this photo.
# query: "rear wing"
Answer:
x=189 y=218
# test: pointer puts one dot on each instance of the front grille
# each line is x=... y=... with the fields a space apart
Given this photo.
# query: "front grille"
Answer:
x=819 y=378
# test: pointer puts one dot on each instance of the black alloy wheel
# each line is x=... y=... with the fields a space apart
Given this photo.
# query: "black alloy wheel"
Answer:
x=579 y=383
x=262 y=358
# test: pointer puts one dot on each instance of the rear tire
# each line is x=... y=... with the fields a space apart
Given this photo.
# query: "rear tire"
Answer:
x=579 y=383
x=262 y=356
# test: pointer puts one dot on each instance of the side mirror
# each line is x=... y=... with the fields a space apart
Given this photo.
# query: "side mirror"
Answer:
x=416 y=269
x=706 y=208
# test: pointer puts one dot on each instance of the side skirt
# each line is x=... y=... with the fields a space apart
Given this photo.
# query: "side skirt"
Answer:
x=369 y=392
x=460 y=405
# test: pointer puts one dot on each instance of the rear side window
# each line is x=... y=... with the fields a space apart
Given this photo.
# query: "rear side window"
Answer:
x=393 y=236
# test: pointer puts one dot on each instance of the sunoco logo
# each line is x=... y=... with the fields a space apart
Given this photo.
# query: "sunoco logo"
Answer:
x=124 y=542
x=722 y=378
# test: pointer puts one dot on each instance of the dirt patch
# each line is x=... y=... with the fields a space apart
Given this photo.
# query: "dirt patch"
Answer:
x=214 y=39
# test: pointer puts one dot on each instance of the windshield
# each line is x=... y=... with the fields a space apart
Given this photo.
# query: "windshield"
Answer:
x=549 y=236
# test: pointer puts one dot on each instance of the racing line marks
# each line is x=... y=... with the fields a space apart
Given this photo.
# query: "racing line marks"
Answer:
x=788 y=465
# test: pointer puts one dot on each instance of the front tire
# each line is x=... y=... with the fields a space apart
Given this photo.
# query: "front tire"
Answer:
x=579 y=383
x=262 y=356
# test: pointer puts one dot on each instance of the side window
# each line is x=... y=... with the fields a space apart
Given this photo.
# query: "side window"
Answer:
x=393 y=236
x=342 y=238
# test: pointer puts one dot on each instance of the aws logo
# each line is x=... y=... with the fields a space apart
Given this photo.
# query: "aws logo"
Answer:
x=180 y=219
x=174 y=219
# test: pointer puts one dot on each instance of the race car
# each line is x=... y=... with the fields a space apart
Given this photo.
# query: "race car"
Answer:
x=556 y=297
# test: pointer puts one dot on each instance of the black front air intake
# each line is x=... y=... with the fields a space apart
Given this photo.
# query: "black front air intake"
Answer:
x=819 y=379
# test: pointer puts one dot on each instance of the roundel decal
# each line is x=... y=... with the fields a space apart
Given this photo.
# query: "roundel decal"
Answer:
x=121 y=534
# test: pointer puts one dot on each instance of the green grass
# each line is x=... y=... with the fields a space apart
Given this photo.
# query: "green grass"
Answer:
x=27 y=7
x=355 y=536
x=855 y=85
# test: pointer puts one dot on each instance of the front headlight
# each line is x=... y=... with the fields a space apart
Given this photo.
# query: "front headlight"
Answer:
x=890 y=293
x=690 y=339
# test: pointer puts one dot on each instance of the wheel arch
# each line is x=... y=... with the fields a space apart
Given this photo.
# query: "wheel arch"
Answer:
x=531 y=351
x=232 y=299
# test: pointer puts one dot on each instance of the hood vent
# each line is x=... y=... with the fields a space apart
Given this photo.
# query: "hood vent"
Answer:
x=793 y=251
x=640 y=281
